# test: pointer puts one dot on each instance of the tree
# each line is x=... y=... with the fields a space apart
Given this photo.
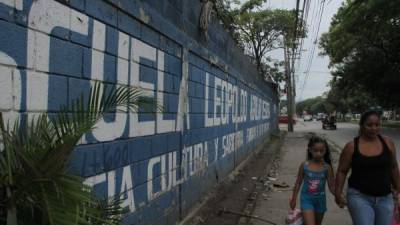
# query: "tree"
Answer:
x=259 y=30
x=314 y=105
x=35 y=187
x=362 y=44
x=263 y=31
x=349 y=97
x=225 y=13
x=273 y=70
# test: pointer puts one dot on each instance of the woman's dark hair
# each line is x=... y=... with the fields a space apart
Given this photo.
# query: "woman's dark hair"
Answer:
x=367 y=114
x=364 y=118
x=314 y=140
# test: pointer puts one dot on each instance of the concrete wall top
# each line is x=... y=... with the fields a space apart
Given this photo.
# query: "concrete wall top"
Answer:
x=179 y=20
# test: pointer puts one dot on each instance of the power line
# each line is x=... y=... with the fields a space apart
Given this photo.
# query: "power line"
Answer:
x=311 y=56
x=314 y=15
x=304 y=18
x=312 y=31
x=316 y=71
x=315 y=37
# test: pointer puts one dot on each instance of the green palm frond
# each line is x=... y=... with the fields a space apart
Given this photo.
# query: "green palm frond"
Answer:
x=36 y=154
x=110 y=210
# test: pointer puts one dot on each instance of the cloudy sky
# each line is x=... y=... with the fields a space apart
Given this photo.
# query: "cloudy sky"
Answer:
x=319 y=76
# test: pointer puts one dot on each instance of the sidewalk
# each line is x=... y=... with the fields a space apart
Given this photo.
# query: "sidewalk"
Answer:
x=275 y=207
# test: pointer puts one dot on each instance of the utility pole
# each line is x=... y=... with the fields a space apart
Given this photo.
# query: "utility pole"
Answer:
x=289 y=92
x=295 y=56
x=289 y=71
x=290 y=54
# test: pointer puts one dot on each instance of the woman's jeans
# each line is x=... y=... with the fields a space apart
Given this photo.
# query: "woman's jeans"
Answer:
x=369 y=210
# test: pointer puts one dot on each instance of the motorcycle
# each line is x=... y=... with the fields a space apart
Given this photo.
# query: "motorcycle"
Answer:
x=329 y=123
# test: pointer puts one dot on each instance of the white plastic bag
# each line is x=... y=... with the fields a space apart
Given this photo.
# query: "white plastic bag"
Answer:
x=294 y=217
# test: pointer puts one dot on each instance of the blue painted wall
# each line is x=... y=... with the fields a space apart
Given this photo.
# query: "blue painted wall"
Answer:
x=217 y=110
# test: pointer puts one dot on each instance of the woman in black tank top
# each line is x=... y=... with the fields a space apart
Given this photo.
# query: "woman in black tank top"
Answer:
x=368 y=171
x=374 y=172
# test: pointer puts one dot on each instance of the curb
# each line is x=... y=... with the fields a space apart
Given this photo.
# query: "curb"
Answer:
x=334 y=146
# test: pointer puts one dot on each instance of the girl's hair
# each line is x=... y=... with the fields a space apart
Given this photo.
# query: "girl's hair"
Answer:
x=365 y=116
x=314 y=140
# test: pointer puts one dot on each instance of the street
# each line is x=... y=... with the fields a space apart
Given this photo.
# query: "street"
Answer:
x=344 y=133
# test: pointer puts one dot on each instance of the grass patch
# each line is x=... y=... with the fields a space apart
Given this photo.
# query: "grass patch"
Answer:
x=392 y=124
x=386 y=124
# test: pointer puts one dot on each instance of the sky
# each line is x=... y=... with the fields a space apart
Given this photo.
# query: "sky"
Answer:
x=319 y=75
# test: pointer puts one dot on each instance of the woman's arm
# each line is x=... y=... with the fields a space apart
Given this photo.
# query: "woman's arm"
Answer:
x=331 y=180
x=395 y=166
x=343 y=169
x=395 y=170
x=297 y=186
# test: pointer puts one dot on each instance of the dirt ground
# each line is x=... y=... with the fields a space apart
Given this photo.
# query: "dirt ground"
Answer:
x=235 y=197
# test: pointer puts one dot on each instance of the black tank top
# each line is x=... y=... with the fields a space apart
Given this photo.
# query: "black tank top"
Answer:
x=371 y=175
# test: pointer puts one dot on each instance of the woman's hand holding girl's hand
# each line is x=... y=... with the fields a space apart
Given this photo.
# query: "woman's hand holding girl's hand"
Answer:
x=397 y=211
x=340 y=200
x=292 y=203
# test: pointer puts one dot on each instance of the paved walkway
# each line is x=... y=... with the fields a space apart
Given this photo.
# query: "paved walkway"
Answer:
x=275 y=207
